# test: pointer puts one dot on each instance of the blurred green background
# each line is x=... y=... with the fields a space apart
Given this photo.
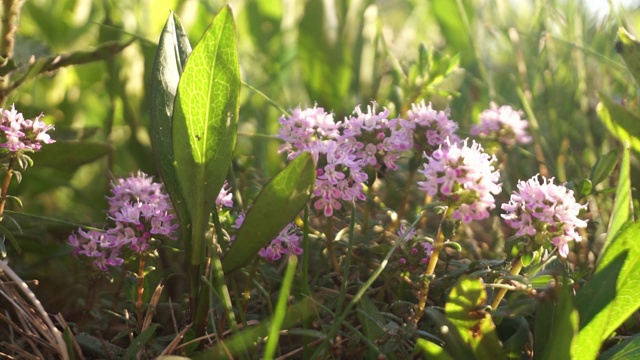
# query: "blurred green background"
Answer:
x=549 y=58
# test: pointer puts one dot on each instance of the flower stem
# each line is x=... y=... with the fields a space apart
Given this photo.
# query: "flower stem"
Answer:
x=516 y=266
x=4 y=192
x=330 y=249
x=428 y=274
x=140 y=303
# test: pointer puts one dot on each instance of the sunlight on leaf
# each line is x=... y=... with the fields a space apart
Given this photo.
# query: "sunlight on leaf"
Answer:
x=276 y=205
x=624 y=303
x=204 y=122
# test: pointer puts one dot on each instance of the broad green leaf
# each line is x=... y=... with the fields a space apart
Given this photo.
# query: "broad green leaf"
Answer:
x=628 y=349
x=599 y=291
x=431 y=350
x=276 y=205
x=629 y=48
x=140 y=341
x=626 y=300
x=69 y=155
x=171 y=56
x=454 y=343
x=622 y=204
x=466 y=310
x=204 y=123
x=620 y=121
x=604 y=167
x=561 y=337
x=323 y=55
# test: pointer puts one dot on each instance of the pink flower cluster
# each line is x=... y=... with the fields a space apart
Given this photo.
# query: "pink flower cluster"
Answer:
x=546 y=210
x=503 y=124
x=463 y=177
x=140 y=212
x=428 y=128
x=286 y=242
x=20 y=134
x=343 y=150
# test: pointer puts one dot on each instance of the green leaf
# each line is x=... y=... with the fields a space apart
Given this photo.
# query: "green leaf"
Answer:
x=583 y=188
x=431 y=350
x=204 y=123
x=622 y=204
x=561 y=334
x=620 y=121
x=466 y=310
x=276 y=205
x=515 y=334
x=625 y=301
x=599 y=291
x=604 y=167
x=171 y=56
x=629 y=48
x=454 y=343
x=281 y=309
x=628 y=349
x=140 y=341
x=69 y=155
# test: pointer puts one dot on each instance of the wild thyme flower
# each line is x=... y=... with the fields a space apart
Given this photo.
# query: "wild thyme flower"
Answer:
x=503 y=124
x=140 y=212
x=428 y=127
x=97 y=245
x=304 y=128
x=339 y=170
x=463 y=177
x=372 y=135
x=139 y=187
x=20 y=134
x=339 y=176
x=225 y=197
x=545 y=211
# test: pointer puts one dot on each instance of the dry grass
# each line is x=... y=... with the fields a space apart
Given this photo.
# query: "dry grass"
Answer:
x=30 y=333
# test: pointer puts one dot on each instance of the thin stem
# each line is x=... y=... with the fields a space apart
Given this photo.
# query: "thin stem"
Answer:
x=306 y=323
x=367 y=211
x=433 y=261
x=140 y=302
x=405 y=198
x=217 y=276
x=347 y=261
x=330 y=249
x=4 y=192
x=516 y=266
